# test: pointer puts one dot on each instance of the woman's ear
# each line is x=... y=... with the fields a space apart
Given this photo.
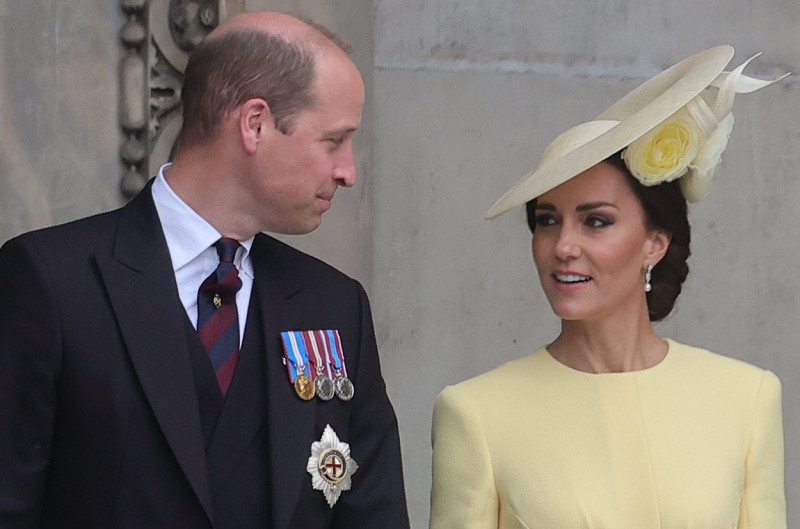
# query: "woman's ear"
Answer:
x=657 y=245
x=254 y=120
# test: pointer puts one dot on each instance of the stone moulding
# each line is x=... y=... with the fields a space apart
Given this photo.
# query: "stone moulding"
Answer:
x=157 y=38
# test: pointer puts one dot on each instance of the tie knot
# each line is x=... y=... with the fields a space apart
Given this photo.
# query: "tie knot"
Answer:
x=226 y=249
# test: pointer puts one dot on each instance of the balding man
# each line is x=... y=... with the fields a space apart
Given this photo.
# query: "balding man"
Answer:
x=167 y=365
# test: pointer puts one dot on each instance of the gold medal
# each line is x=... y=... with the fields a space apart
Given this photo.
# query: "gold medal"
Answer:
x=304 y=387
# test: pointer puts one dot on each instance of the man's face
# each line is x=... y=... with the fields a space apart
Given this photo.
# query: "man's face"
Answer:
x=297 y=174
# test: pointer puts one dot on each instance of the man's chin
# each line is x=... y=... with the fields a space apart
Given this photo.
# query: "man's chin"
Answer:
x=297 y=229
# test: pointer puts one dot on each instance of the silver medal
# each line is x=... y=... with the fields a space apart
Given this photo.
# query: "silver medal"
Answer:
x=324 y=385
x=344 y=388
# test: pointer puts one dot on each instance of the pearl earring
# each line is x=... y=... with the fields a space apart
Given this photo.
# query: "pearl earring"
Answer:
x=647 y=285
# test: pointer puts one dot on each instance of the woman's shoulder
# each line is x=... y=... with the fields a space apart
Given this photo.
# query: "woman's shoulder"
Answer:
x=704 y=358
x=717 y=369
x=506 y=379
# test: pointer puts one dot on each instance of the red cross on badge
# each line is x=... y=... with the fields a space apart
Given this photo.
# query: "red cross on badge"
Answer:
x=332 y=466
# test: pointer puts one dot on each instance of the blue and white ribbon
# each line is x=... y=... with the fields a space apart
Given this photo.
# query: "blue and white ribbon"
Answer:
x=294 y=349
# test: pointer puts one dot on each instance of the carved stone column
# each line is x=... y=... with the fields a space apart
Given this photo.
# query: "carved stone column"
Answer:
x=158 y=37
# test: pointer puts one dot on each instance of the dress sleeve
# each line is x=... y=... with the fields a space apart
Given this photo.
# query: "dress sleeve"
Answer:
x=464 y=495
x=764 y=502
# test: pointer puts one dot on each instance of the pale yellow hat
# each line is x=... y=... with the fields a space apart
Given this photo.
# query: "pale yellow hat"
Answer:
x=675 y=125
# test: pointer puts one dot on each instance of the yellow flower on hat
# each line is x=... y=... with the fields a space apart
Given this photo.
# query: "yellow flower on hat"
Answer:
x=664 y=153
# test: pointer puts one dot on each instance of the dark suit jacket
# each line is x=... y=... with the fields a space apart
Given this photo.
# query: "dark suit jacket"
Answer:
x=99 y=422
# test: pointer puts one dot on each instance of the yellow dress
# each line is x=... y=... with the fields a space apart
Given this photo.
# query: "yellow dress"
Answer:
x=695 y=442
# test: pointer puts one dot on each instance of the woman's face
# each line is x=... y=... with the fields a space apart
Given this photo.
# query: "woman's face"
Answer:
x=592 y=244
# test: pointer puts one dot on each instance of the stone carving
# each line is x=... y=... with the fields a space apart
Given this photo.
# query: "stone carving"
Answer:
x=190 y=21
x=158 y=36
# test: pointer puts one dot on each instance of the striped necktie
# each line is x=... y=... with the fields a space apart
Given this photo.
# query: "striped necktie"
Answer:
x=217 y=316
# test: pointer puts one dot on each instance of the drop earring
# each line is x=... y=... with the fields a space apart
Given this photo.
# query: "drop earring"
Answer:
x=647 y=285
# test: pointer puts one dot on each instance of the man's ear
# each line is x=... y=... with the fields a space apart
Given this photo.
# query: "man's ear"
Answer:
x=255 y=120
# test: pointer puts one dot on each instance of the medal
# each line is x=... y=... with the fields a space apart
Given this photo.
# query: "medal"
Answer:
x=322 y=382
x=304 y=387
x=321 y=349
x=331 y=466
x=324 y=386
x=295 y=351
x=343 y=386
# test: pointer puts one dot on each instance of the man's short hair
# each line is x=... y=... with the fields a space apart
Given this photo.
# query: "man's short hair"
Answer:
x=226 y=71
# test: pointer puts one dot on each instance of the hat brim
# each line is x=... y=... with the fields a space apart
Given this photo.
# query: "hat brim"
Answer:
x=624 y=122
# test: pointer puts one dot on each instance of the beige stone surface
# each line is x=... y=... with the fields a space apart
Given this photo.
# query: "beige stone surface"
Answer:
x=58 y=135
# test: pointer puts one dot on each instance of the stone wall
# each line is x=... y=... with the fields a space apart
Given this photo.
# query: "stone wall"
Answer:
x=58 y=89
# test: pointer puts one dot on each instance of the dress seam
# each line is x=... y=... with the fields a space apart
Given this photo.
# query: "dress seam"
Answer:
x=649 y=451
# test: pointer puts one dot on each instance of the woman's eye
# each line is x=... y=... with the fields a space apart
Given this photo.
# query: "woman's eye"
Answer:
x=545 y=220
x=597 y=222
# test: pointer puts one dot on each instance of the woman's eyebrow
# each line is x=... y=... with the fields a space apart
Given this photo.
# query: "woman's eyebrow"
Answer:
x=594 y=205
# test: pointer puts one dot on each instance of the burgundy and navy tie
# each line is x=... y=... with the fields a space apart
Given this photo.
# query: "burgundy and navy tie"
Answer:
x=217 y=317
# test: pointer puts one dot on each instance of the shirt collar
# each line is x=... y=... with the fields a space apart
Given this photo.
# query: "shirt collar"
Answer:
x=187 y=233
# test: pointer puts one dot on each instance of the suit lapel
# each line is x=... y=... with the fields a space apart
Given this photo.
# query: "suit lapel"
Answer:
x=141 y=286
x=290 y=420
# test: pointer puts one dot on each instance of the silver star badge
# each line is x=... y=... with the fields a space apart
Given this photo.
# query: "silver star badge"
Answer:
x=331 y=466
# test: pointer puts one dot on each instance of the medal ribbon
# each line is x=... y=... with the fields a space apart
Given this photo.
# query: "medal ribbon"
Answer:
x=336 y=350
x=310 y=338
x=295 y=351
x=322 y=336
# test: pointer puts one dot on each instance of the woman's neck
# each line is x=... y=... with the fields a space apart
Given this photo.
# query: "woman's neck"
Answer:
x=608 y=346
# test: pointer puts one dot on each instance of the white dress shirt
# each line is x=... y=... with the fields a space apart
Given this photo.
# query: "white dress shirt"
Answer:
x=190 y=240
